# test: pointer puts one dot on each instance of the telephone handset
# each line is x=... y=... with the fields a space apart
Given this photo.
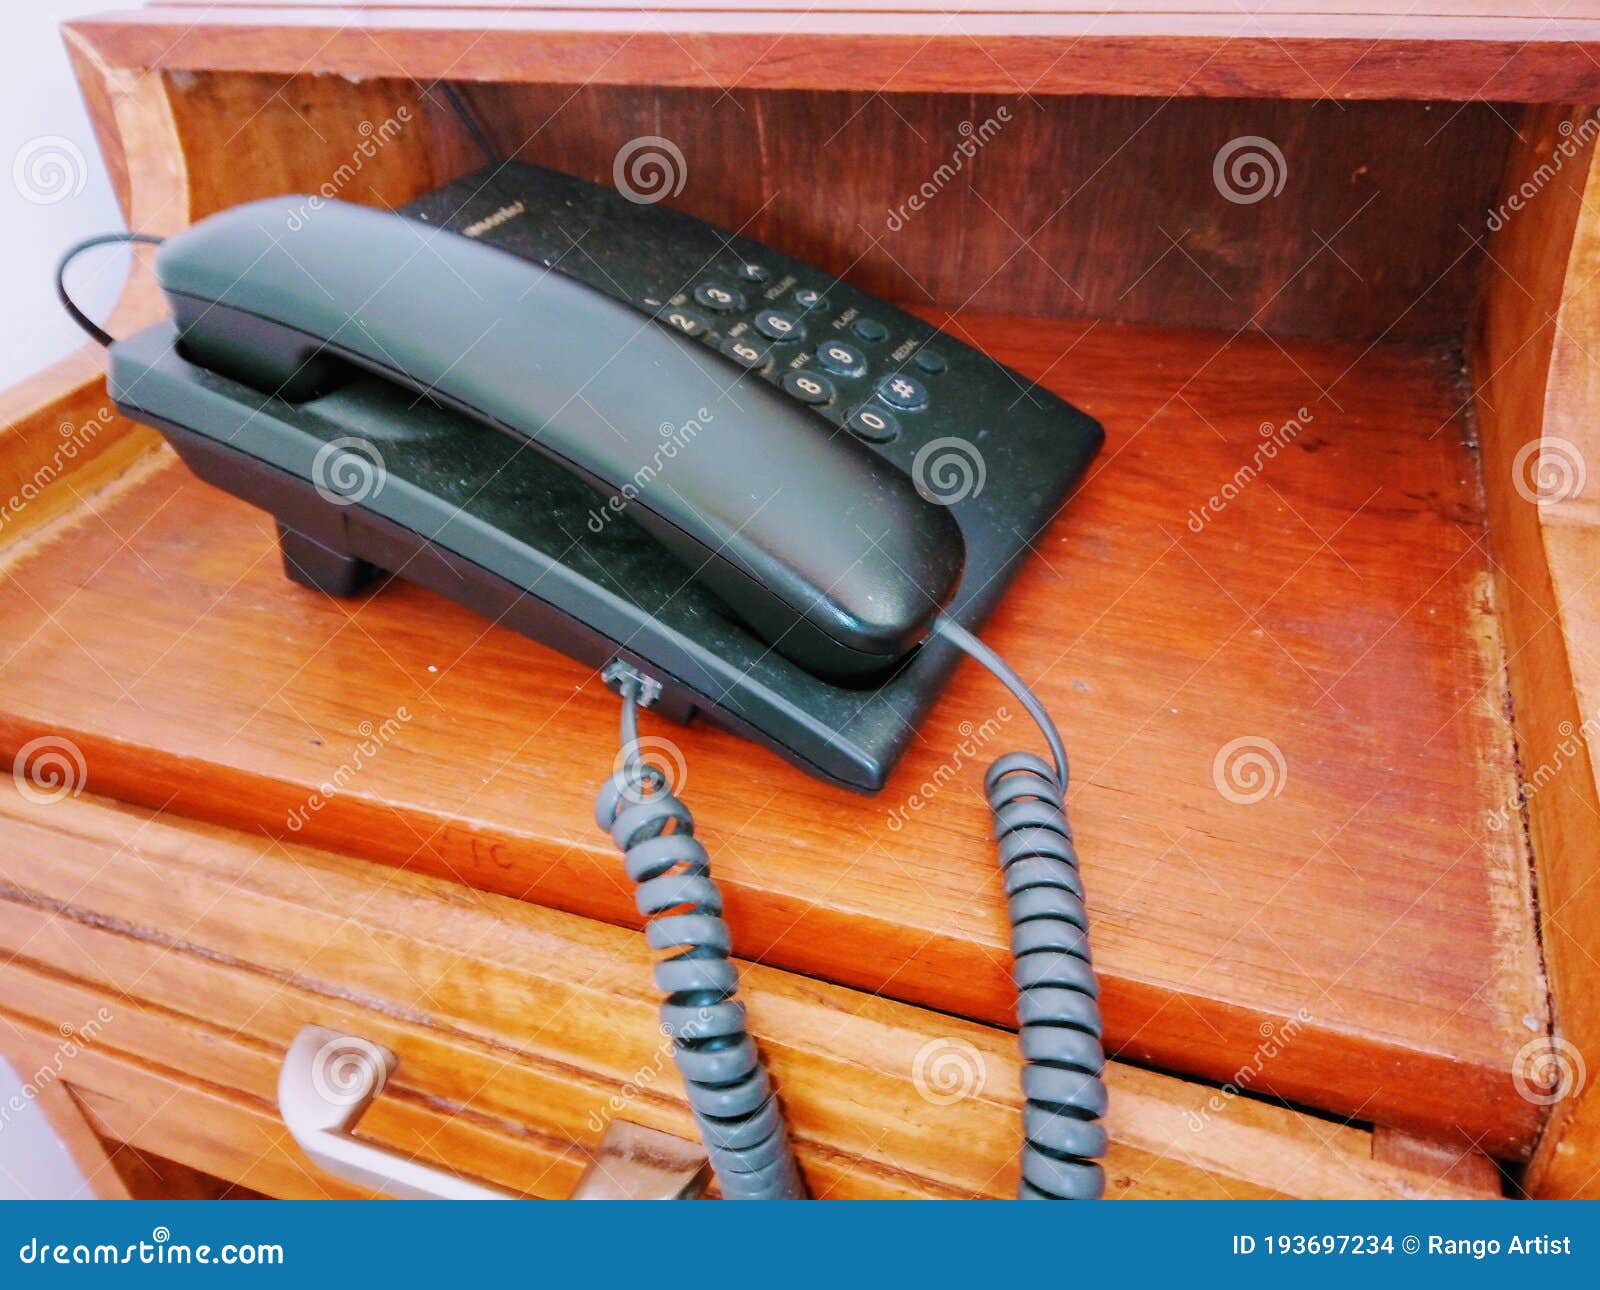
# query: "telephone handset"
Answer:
x=824 y=550
x=830 y=496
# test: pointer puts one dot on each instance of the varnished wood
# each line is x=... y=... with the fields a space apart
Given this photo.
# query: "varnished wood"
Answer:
x=1086 y=207
x=1537 y=374
x=1213 y=50
x=1129 y=225
x=516 y=1026
x=1336 y=609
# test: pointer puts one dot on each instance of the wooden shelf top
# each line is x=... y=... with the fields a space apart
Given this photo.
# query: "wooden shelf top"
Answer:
x=1361 y=938
x=1458 y=50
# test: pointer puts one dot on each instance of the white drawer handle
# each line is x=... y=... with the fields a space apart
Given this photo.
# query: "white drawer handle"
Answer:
x=328 y=1079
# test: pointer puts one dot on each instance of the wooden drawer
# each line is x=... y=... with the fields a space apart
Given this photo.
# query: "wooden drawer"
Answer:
x=183 y=959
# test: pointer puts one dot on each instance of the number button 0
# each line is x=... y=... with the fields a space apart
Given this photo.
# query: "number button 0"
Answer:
x=841 y=359
x=809 y=387
x=777 y=325
x=713 y=295
x=903 y=392
x=873 y=424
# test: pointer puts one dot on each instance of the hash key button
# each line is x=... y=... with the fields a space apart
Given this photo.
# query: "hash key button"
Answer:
x=903 y=392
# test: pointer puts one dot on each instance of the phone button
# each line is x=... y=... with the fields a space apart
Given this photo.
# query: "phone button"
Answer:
x=810 y=298
x=777 y=325
x=841 y=359
x=873 y=424
x=746 y=353
x=751 y=272
x=930 y=361
x=808 y=387
x=713 y=295
x=691 y=322
x=870 y=330
x=903 y=392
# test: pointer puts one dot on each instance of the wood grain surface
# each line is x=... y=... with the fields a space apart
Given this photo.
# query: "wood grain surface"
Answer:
x=1455 y=52
x=1534 y=352
x=1360 y=938
x=199 y=954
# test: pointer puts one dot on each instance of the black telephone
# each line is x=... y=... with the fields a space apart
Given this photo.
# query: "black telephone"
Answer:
x=741 y=487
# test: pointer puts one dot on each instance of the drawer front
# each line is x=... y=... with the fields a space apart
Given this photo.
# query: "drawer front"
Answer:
x=162 y=968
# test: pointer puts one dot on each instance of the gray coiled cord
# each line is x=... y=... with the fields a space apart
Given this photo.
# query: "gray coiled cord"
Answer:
x=1058 y=1006
x=733 y=1102
x=1057 y=998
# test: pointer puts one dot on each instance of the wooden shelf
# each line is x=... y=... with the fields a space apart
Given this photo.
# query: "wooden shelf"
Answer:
x=1337 y=613
x=1463 y=51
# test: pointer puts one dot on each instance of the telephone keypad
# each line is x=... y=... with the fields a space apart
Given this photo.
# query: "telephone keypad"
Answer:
x=841 y=358
x=747 y=353
x=775 y=324
x=808 y=386
x=903 y=392
x=691 y=322
x=873 y=424
x=713 y=295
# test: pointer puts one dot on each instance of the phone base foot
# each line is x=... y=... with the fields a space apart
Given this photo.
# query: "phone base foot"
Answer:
x=321 y=568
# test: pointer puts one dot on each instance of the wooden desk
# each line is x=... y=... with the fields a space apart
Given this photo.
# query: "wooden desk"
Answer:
x=1376 y=611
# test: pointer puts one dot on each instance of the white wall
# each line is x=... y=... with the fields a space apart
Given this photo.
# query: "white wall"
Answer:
x=53 y=190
